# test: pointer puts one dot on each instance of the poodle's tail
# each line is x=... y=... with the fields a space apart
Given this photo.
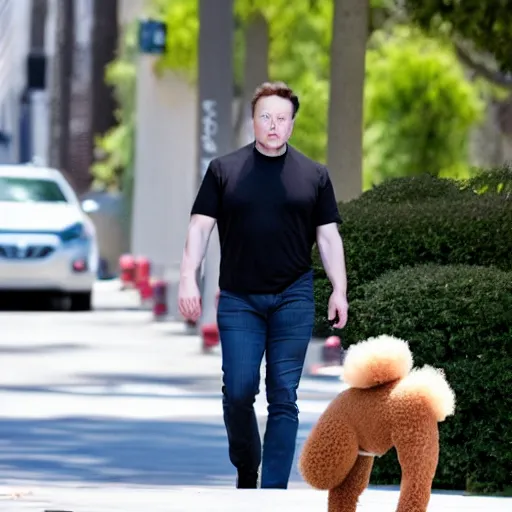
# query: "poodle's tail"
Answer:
x=377 y=361
x=430 y=385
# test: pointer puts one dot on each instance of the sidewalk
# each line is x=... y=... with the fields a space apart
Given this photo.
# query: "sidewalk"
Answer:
x=314 y=366
x=124 y=499
x=113 y=412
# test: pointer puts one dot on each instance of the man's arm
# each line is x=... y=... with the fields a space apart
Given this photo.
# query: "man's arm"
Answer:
x=204 y=213
x=330 y=246
x=199 y=231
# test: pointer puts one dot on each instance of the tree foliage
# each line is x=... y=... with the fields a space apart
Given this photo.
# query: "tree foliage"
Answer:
x=487 y=24
x=419 y=108
x=182 y=20
x=113 y=169
x=301 y=60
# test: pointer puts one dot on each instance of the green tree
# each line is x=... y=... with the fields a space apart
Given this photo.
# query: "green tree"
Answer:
x=419 y=108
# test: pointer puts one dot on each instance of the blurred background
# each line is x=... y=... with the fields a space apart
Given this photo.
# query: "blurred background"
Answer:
x=406 y=101
x=83 y=91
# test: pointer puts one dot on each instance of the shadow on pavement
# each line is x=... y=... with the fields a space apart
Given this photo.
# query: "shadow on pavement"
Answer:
x=189 y=382
x=136 y=452
x=41 y=349
x=184 y=387
x=111 y=392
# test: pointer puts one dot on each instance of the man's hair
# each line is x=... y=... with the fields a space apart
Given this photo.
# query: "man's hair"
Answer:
x=275 y=89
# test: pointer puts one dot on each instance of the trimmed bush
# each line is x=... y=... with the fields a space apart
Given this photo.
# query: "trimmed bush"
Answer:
x=414 y=189
x=428 y=260
x=491 y=181
x=378 y=237
x=458 y=318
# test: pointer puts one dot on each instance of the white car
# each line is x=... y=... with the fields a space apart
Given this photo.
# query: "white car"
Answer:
x=47 y=241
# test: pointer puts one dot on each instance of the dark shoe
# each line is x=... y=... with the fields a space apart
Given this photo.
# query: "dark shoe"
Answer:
x=247 y=480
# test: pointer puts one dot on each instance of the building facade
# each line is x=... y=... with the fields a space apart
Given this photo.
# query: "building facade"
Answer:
x=14 y=44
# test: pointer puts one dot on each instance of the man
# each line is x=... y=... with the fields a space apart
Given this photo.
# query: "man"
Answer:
x=270 y=203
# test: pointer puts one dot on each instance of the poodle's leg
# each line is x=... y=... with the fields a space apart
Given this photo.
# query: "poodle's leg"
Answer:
x=417 y=447
x=344 y=497
x=330 y=450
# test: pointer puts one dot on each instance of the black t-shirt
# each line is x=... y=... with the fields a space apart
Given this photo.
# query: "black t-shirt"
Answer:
x=267 y=210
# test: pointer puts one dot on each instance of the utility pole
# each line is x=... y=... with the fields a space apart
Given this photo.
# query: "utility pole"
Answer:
x=62 y=70
x=215 y=121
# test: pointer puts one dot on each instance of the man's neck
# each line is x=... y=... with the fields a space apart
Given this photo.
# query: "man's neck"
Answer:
x=270 y=151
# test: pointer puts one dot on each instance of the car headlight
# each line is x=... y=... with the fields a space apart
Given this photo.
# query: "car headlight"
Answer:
x=75 y=232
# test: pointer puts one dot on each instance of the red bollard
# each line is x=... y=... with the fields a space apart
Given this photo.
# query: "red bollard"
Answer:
x=159 y=299
x=127 y=270
x=332 y=351
x=145 y=290
x=190 y=327
x=142 y=275
x=210 y=334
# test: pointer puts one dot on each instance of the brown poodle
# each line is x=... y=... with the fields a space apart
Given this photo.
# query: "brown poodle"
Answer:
x=388 y=404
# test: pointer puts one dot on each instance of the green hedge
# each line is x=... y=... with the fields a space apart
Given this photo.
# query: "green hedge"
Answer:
x=429 y=260
x=378 y=237
x=496 y=181
x=415 y=189
x=458 y=318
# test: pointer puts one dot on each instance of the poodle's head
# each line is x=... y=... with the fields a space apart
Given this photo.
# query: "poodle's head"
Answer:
x=377 y=361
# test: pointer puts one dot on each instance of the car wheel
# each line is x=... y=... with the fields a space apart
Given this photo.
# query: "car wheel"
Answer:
x=81 y=301
x=49 y=302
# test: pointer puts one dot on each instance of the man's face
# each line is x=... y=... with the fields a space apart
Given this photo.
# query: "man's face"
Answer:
x=273 y=121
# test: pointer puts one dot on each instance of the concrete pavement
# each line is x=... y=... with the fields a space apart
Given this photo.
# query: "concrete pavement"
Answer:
x=110 y=412
x=119 y=499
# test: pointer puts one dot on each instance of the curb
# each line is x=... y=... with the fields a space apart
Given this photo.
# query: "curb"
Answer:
x=326 y=372
x=317 y=366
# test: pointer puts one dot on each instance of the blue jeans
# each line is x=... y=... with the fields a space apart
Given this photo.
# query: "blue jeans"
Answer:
x=279 y=326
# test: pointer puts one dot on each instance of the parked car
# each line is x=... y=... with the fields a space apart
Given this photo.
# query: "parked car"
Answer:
x=47 y=241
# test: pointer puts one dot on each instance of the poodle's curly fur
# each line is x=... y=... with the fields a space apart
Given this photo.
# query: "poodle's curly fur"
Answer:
x=388 y=404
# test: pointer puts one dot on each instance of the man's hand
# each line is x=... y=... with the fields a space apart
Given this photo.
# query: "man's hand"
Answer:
x=189 y=299
x=338 y=307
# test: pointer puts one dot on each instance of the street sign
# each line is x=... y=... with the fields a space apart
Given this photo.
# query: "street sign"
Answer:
x=152 y=36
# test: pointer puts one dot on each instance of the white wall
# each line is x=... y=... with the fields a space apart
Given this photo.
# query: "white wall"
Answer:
x=165 y=164
x=128 y=10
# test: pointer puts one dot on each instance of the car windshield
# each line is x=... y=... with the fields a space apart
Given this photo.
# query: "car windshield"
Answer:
x=30 y=190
